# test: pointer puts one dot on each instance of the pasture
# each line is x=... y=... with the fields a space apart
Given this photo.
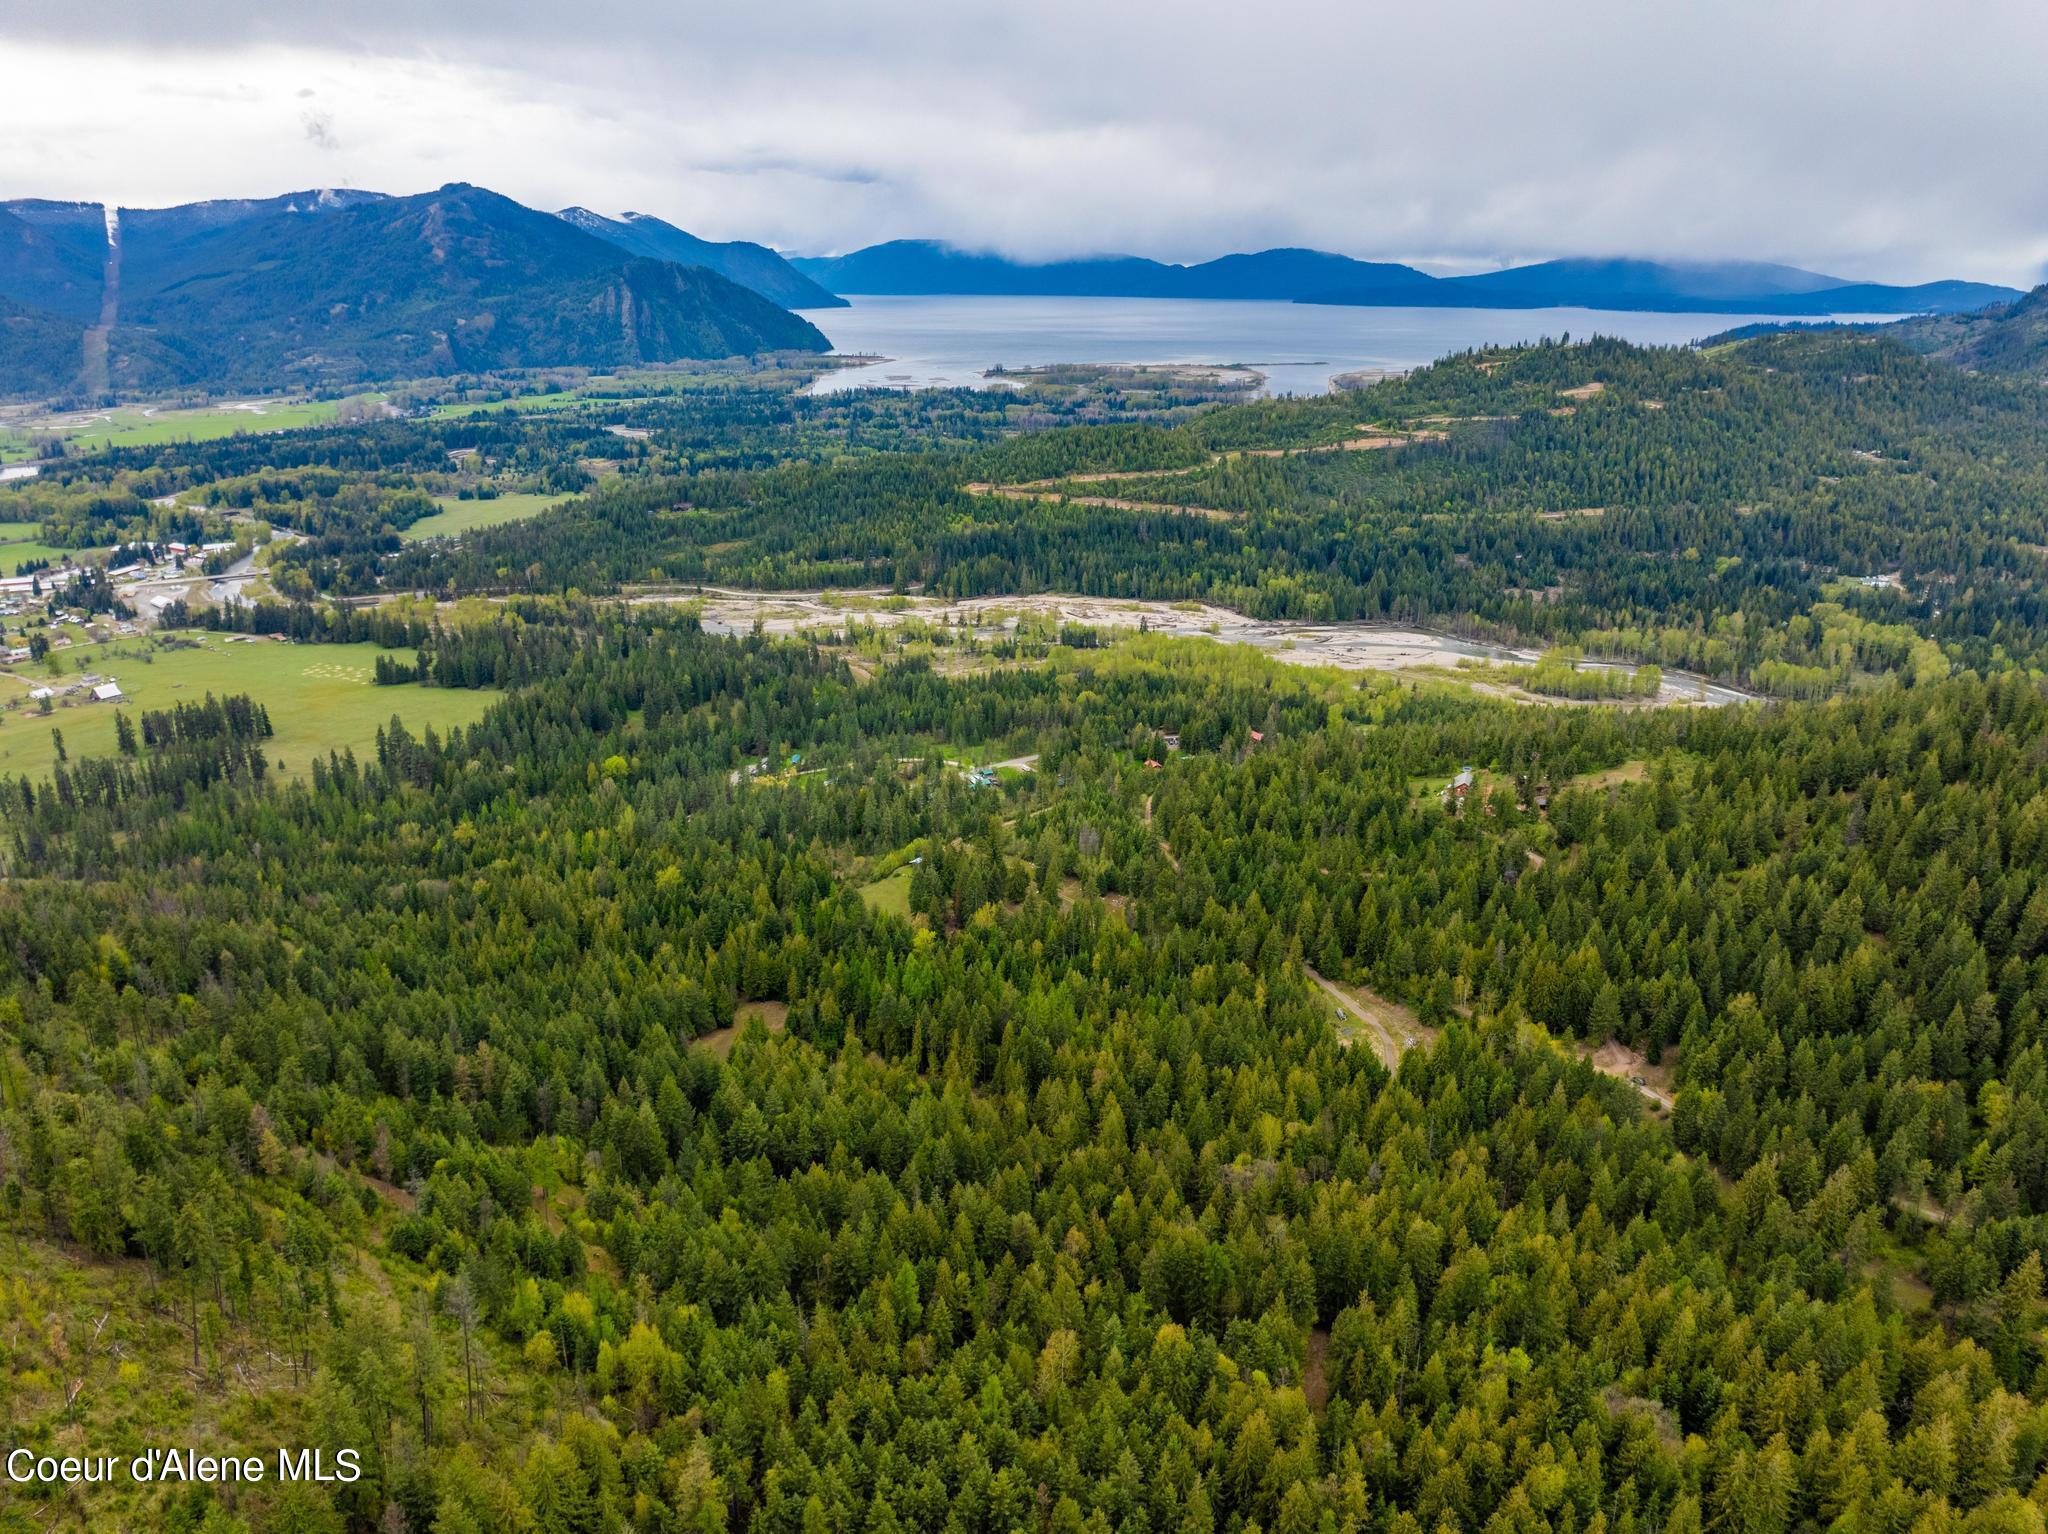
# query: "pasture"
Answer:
x=145 y=426
x=22 y=543
x=890 y=894
x=14 y=555
x=458 y=516
x=320 y=697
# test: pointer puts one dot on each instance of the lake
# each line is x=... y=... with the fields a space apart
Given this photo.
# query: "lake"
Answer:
x=944 y=341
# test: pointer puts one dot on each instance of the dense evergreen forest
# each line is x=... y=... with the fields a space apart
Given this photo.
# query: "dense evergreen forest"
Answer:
x=904 y=1078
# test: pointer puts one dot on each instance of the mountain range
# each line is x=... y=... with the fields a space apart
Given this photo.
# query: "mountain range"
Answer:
x=339 y=287
x=1312 y=276
x=929 y=266
x=335 y=287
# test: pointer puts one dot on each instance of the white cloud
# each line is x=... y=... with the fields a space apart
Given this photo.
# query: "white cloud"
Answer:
x=1878 y=139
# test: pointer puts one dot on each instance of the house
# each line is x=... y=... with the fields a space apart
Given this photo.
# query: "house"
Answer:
x=1257 y=736
x=1461 y=785
x=42 y=692
x=107 y=692
x=1154 y=765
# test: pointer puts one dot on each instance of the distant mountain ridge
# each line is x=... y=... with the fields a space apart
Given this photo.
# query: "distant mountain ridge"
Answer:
x=930 y=266
x=1310 y=276
x=741 y=261
x=345 y=287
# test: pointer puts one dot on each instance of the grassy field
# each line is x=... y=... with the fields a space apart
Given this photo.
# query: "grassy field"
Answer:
x=522 y=404
x=21 y=542
x=460 y=516
x=890 y=894
x=14 y=555
x=619 y=388
x=320 y=698
x=136 y=426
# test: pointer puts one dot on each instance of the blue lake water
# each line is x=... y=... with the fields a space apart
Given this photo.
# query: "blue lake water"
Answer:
x=953 y=341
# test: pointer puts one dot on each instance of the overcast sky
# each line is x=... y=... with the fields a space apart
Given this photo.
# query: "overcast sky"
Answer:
x=1868 y=138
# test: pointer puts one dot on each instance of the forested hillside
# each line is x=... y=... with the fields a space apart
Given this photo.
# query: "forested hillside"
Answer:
x=315 y=290
x=1690 y=509
x=1062 y=1201
x=2006 y=338
x=742 y=261
x=927 y=1065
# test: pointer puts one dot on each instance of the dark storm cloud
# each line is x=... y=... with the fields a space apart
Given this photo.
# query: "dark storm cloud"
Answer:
x=1871 y=139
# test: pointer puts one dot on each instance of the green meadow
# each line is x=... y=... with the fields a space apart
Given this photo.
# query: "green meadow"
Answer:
x=132 y=427
x=460 y=516
x=320 y=697
x=139 y=426
x=22 y=543
x=521 y=404
x=14 y=555
x=890 y=894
